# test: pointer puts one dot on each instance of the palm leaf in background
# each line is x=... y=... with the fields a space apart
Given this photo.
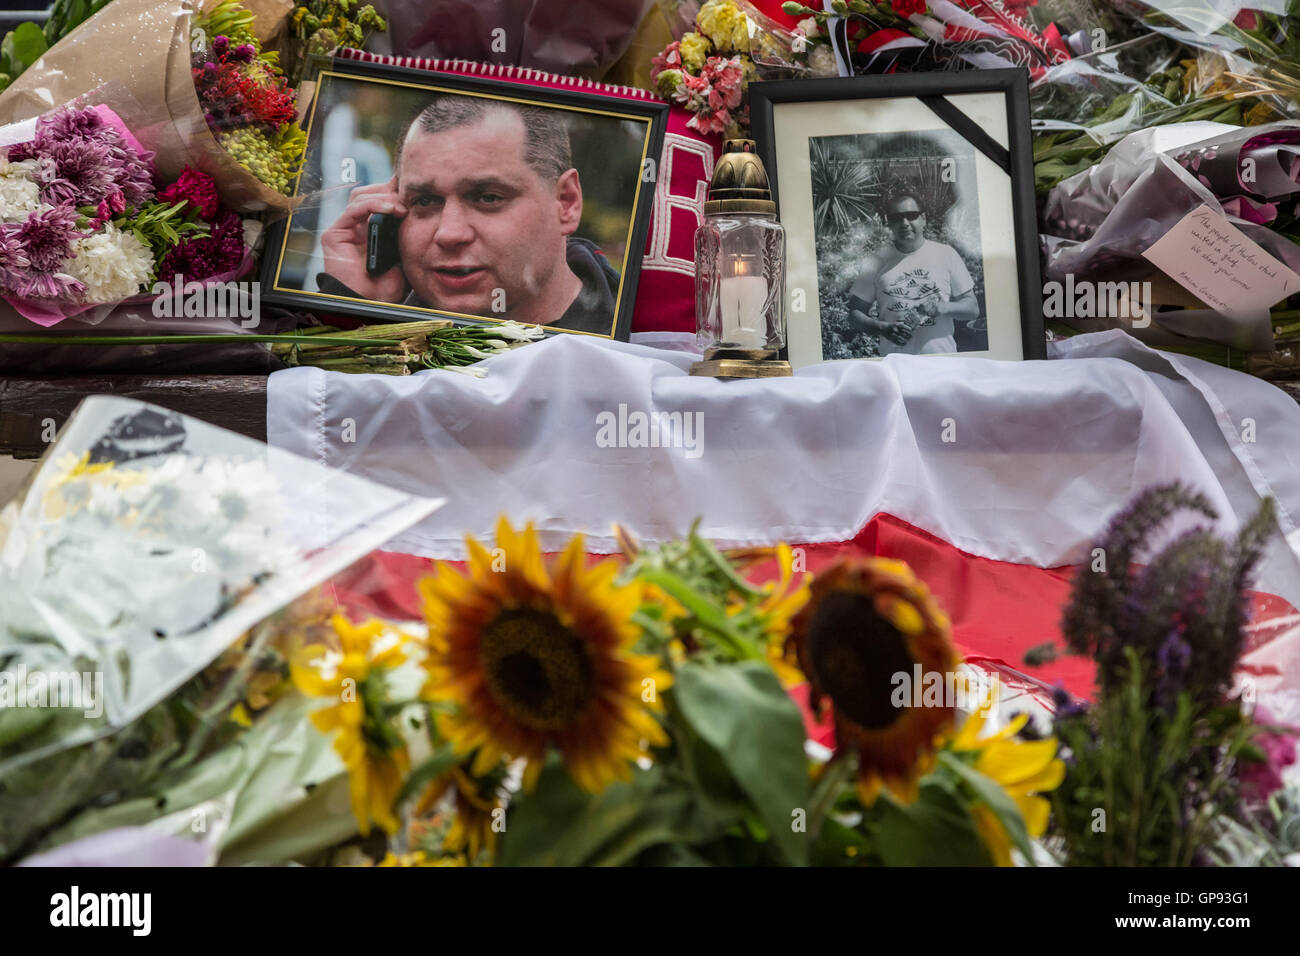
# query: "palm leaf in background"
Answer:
x=840 y=189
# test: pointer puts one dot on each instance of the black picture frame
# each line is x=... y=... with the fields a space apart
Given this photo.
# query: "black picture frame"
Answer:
x=653 y=114
x=929 y=89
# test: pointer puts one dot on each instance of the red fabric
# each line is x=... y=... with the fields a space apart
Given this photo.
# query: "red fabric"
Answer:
x=772 y=8
x=998 y=610
x=665 y=295
x=875 y=41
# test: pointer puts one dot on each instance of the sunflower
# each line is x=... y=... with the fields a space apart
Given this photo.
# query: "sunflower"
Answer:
x=471 y=828
x=866 y=621
x=536 y=658
x=419 y=858
x=370 y=746
x=777 y=610
x=1022 y=768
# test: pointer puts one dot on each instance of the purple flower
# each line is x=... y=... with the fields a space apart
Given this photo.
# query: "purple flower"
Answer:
x=86 y=152
x=221 y=44
x=1066 y=705
x=85 y=173
x=244 y=53
x=49 y=285
x=1172 y=659
x=14 y=263
x=68 y=123
x=46 y=237
x=216 y=254
x=1174 y=655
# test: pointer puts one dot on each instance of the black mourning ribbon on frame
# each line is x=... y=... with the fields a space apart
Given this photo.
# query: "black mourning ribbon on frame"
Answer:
x=968 y=128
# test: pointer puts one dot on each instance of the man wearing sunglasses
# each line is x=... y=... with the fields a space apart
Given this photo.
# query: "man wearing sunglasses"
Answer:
x=910 y=294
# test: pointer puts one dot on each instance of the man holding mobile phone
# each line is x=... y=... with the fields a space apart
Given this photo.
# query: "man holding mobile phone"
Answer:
x=911 y=293
x=483 y=206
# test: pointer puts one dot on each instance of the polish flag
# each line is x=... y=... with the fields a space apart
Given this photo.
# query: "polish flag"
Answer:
x=991 y=479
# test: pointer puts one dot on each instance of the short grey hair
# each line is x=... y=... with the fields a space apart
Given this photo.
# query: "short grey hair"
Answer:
x=546 y=135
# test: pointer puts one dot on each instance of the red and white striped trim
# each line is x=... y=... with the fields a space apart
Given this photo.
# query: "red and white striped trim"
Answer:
x=502 y=71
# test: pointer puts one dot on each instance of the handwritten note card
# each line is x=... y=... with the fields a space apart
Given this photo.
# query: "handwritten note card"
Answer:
x=1216 y=262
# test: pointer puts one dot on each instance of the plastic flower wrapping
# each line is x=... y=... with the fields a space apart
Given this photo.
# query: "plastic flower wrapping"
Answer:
x=153 y=91
x=1142 y=113
x=708 y=68
x=247 y=101
x=82 y=223
x=152 y=577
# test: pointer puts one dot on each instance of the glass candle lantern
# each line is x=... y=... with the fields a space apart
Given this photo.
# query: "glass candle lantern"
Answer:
x=740 y=263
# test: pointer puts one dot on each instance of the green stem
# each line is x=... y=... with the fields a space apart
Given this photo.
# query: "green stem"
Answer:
x=56 y=339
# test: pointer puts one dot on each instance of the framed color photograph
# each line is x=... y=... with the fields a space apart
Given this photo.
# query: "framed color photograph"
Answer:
x=433 y=195
x=909 y=211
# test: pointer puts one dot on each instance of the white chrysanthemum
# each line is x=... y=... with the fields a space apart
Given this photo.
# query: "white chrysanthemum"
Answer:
x=112 y=264
x=19 y=192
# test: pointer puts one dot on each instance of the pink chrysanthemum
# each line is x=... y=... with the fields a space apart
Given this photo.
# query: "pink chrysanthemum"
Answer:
x=49 y=285
x=127 y=167
x=85 y=174
x=46 y=237
x=14 y=264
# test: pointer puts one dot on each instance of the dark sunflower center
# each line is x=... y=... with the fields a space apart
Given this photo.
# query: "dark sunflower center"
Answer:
x=537 y=669
x=855 y=654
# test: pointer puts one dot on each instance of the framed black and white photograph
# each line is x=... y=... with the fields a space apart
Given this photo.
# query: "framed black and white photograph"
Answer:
x=431 y=195
x=909 y=212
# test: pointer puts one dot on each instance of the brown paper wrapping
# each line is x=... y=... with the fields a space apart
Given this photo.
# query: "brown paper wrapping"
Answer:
x=134 y=56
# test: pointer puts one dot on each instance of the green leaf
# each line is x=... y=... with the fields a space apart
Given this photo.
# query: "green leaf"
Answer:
x=671 y=854
x=827 y=791
x=838 y=845
x=996 y=798
x=936 y=830
x=8 y=61
x=28 y=44
x=438 y=763
x=559 y=824
x=742 y=712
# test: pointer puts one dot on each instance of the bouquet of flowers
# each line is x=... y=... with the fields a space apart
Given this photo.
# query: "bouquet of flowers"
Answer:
x=885 y=36
x=140 y=578
x=82 y=225
x=247 y=101
x=708 y=70
x=1167 y=752
x=80 y=222
x=320 y=26
x=556 y=713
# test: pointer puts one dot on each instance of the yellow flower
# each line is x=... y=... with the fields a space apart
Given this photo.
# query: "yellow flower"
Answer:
x=471 y=829
x=778 y=609
x=695 y=51
x=723 y=23
x=867 y=620
x=1022 y=768
x=537 y=658
x=419 y=858
x=370 y=747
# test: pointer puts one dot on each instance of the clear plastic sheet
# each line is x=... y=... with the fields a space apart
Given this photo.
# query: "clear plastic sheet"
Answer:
x=145 y=545
x=1098 y=223
x=134 y=57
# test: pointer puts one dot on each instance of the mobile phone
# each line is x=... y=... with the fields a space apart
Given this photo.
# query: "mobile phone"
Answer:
x=381 y=243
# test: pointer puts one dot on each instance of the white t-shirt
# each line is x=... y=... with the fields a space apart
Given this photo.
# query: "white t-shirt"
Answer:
x=906 y=280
